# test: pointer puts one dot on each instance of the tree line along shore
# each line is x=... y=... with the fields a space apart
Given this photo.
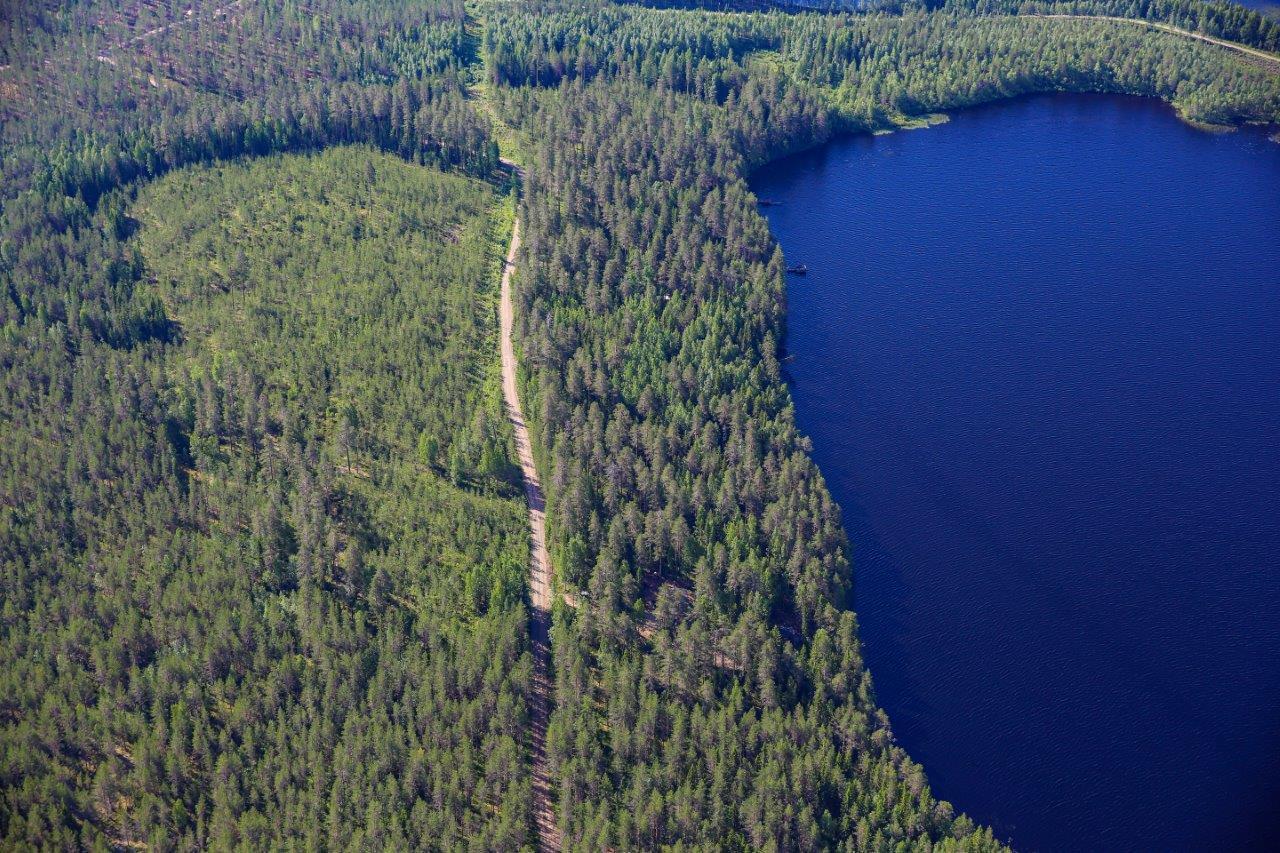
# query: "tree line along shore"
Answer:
x=263 y=543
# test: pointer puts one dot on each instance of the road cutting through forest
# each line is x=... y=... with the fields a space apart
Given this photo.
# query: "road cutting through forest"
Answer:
x=539 y=565
x=1170 y=28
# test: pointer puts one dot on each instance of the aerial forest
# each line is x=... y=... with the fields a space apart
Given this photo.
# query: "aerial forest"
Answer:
x=263 y=545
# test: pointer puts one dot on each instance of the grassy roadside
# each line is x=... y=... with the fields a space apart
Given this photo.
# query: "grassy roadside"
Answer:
x=511 y=142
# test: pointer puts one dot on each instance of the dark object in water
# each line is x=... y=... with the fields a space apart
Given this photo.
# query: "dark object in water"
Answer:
x=767 y=202
x=798 y=269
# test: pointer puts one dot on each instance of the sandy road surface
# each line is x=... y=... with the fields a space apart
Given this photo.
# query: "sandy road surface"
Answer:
x=539 y=566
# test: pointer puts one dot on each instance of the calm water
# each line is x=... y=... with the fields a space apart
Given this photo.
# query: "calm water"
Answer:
x=1038 y=352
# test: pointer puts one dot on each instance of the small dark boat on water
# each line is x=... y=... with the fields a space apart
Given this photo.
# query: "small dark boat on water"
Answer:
x=798 y=269
x=767 y=202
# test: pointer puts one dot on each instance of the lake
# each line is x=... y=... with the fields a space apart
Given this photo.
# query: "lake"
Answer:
x=1038 y=353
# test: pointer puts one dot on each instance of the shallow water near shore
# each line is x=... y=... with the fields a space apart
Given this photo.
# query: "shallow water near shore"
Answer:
x=1038 y=353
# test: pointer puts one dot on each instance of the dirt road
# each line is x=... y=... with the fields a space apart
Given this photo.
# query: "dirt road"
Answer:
x=539 y=567
x=1170 y=28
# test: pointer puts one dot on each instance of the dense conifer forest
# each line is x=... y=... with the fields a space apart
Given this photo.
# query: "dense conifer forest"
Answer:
x=262 y=541
x=280 y=593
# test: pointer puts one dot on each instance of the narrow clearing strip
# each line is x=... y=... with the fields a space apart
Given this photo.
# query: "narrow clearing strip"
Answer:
x=539 y=567
x=1170 y=28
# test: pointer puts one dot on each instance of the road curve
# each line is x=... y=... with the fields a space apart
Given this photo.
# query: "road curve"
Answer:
x=1170 y=28
x=539 y=567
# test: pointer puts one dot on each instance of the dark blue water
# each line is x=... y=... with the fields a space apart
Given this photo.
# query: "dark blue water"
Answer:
x=1038 y=352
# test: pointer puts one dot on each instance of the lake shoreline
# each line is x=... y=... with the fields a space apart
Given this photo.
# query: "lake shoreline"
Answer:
x=934 y=119
x=959 y=613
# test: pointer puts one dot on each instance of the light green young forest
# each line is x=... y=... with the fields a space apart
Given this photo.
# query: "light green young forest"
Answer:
x=263 y=548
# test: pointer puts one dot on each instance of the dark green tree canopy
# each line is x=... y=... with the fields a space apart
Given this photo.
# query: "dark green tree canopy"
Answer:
x=262 y=544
